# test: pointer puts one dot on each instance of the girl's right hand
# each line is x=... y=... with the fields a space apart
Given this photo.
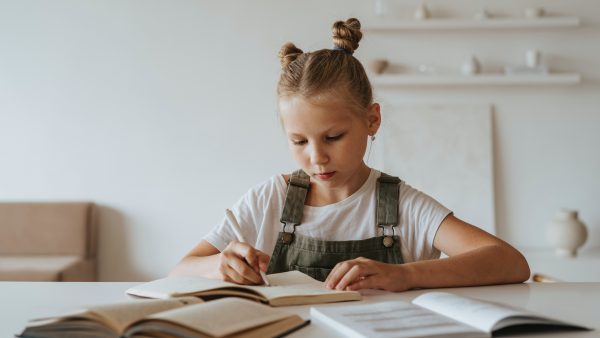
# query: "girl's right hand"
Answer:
x=240 y=263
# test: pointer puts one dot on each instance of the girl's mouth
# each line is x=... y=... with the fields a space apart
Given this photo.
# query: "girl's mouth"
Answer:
x=325 y=176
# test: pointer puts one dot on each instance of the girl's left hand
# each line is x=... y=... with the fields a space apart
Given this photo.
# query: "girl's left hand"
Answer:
x=364 y=273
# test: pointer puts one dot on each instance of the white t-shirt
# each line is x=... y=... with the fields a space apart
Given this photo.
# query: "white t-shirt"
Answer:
x=354 y=218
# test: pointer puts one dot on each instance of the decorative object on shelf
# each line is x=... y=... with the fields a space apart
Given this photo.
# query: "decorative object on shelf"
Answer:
x=483 y=14
x=534 y=12
x=533 y=65
x=422 y=12
x=566 y=233
x=533 y=58
x=471 y=66
x=426 y=69
x=378 y=66
x=379 y=8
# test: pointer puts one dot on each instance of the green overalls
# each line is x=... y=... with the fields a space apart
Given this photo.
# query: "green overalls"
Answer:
x=317 y=258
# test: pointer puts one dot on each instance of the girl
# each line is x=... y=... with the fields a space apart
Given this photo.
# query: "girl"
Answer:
x=336 y=219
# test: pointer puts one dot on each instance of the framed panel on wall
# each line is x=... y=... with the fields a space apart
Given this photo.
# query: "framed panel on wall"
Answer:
x=444 y=150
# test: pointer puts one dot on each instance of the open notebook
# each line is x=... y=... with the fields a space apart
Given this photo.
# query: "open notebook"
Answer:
x=287 y=288
x=434 y=314
x=180 y=317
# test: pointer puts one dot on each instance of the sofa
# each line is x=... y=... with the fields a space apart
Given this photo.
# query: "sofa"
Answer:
x=48 y=241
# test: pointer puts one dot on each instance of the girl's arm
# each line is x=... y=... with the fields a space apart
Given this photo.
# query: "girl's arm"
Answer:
x=475 y=258
x=238 y=263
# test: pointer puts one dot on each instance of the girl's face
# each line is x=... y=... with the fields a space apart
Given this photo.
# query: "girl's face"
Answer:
x=328 y=140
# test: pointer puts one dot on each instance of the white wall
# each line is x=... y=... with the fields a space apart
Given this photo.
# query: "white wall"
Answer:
x=163 y=112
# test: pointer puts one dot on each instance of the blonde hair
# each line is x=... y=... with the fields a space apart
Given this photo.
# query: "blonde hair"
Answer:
x=327 y=70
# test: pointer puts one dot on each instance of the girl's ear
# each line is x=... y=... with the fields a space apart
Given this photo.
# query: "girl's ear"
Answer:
x=374 y=118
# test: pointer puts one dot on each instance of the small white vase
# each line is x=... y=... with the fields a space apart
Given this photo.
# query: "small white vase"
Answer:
x=471 y=66
x=422 y=12
x=533 y=58
x=566 y=233
x=483 y=14
x=380 y=8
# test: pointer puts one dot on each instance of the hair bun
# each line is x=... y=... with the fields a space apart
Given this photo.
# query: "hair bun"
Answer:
x=347 y=34
x=288 y=54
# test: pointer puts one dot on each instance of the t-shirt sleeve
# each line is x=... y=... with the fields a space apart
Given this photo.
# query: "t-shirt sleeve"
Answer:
x=421 y=216
x=244 y=211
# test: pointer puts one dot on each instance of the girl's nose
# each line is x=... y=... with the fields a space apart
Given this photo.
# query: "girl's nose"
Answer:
x=318 y=155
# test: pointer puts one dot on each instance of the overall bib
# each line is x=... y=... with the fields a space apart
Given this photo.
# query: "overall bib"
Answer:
x=317 y=258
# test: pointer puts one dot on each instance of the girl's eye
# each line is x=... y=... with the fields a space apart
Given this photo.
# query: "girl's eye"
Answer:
x=334 y=138
x=299 y=142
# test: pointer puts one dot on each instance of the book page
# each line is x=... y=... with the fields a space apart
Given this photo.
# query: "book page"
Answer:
x=117 y=316
x=301 y=290
x=223 y=316
x=391 y=319
x=178 y=286
x=291 y=278
x=122 y=314
x=480 y=314
x=294 y=283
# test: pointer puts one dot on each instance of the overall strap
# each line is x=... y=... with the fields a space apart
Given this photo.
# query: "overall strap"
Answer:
x=388 y=189
x=294 y=199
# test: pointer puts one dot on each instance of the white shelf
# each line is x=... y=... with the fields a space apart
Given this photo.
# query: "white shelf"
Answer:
x=492 y=23
x=478 y=79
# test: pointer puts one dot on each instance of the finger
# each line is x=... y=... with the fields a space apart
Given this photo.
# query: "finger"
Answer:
x=363 y=283
x=231 y=275
x=242 y=268
x=248 y=253
x=337 y=273
x=353 y=275
x=263 y=260
x=252 y=258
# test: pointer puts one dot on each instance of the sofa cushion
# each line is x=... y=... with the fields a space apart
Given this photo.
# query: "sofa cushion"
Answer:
x=36 y=268
x=47 y=229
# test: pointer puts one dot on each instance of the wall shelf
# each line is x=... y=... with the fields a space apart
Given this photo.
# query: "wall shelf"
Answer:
x=492 y=23
x=478 y=79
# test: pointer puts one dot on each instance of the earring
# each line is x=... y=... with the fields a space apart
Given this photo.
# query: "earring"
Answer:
x=372 y=138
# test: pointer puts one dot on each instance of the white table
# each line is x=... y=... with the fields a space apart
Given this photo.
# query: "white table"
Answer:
x=575 y=302
x=583 y=268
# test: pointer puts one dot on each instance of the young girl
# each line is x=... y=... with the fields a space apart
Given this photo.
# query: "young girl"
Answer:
x=336 y=219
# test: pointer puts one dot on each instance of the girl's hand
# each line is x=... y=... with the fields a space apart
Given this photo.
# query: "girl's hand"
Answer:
x=240 y=263
x=363 y=273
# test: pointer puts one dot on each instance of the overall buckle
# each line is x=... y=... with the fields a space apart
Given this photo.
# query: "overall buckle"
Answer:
x=388 y=241
x=288 y=237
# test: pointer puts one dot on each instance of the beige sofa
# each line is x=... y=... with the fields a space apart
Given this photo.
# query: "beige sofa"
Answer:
x=47 y=242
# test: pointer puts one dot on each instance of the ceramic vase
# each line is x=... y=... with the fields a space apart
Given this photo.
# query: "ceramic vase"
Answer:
x=534 y=12
x=471 y=66
x=566 y=233
x=533 y=58
x=378 y=66
x=379 y=8
x=422 y=12
x=482 y=15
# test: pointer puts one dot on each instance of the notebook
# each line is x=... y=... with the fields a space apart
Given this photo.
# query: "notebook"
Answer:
x=179 y=317
x=287 y=288
x=434 y=314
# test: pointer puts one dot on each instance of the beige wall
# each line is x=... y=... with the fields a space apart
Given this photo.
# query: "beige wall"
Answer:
x=164 y=112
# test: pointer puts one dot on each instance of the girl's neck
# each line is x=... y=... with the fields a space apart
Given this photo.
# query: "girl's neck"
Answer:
x=319 y=195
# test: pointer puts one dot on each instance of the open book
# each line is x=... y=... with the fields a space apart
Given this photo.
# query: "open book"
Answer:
x=433 y=314
x=287 y=288
x=164 y=318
